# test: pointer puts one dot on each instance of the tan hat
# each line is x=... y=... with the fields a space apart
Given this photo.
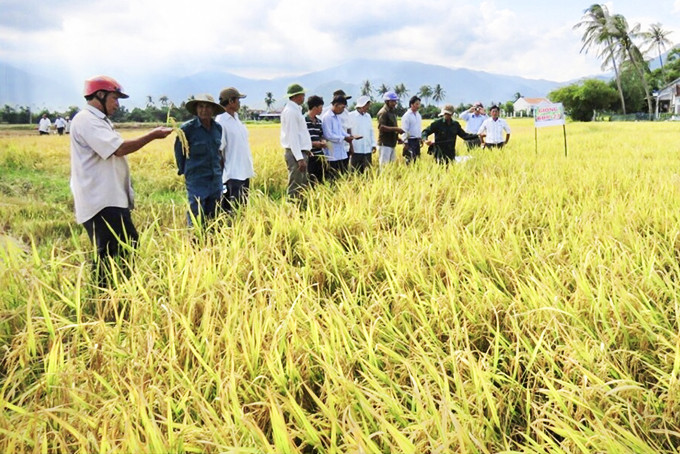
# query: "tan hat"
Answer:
x=230 y=93
x=191 y=104
x=447 y=109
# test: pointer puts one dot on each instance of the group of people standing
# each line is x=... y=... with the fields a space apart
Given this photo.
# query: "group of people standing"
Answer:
x=212 y=151
x=61 y=124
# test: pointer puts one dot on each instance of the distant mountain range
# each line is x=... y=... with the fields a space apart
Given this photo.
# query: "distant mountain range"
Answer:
x=23 y=88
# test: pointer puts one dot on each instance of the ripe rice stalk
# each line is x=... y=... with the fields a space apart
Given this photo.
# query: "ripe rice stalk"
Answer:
x=172 y=123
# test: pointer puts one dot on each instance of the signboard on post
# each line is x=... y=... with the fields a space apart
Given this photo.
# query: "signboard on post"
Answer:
x=549 y=114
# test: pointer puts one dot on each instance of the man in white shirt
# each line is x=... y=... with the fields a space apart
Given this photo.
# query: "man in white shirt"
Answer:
x=491 y=131
x=474 y=117
x=295 y=140
x=238 y=160
x=100 y=176
x=44 y=125
x=412 y=124
x=364 y=141
x=60 y=124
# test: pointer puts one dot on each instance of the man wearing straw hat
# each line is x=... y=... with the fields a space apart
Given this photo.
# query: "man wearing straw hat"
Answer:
x=100 y=175
x=295 y=140
x=445 y=130
x=202 y=165
x=238 y=160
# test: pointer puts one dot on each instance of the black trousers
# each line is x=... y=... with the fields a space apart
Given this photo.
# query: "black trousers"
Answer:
x=338 y=168
x=412 y=150
x=235 y=194
x=113 y=234
x=361 y=162
x=316 y=168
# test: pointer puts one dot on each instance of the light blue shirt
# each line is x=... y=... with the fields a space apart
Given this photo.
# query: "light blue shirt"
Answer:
x=335 y=134
x=473 y=121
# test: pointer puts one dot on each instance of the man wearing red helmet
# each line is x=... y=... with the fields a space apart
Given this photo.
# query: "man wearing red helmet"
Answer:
x=100 y=175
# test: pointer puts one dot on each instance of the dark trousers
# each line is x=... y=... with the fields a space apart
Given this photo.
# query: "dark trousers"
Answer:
x=412 y=150
x=235 y=194
x=316 y=169
x=361 y=162
x=495 y=145
x=338 y=168
x=444 y=155
x=60 y=131
x=114 y=235
x=473 y=143
x=203 y=208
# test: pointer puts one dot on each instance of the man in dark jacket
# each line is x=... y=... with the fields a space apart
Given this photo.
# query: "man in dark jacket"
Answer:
x=445 y=130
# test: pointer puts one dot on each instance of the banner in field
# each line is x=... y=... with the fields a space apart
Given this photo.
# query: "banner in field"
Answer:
x=549 y=114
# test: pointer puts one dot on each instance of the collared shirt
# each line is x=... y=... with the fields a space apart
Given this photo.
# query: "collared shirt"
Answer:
x=362 y=125
x=99 y=179
x=473 y=121
x=294 y=133
x=44 y=125
x=315 y=132
x=494 y=130
x=60 y=123
x=412 y=124
x=387 y=117
x=238 y=160
x=335 y=134
x=445 y=133
x=202 y=167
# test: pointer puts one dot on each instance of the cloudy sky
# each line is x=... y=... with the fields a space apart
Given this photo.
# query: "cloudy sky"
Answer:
x=135 y=39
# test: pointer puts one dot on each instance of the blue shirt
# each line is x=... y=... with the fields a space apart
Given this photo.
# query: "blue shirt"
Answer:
x=335 y=134
x=202 y=167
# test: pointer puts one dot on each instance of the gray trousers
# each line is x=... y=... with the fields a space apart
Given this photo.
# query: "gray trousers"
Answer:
x=297 y=181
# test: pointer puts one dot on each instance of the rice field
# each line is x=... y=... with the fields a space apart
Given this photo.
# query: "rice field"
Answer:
x=520 y=302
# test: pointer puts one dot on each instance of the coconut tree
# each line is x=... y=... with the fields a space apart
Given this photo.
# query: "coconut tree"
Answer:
x=425 y=92
x=269 y=100
x=401 y=91
x=438 y=93
x=382 y=89
x=656 y=37
x=628 y=51
x=367 y=88
x=598 y=35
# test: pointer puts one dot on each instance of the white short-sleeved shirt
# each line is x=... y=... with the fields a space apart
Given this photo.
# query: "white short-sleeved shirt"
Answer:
x=99 y=179
x=238 y=161
x=494 y=130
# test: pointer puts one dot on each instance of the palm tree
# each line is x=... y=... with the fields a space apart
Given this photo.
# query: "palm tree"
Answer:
x=438 y=93
x=518 y=95
x=383 y=89
x=149 y=101
x=163 y=99
x=401 y=91
x=657 y=37
x=269 y=100
x=425 y=92
x=367 y=89
x=629 y=51
x=598 y=34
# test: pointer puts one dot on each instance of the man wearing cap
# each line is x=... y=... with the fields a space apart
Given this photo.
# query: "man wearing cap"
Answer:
x=316 y=166
x=445 y=130
x=202 y=164
x=336 y=136
x=364 y=140
x=238 y=160
x=474 y=117
x=491 y=131
x=100 y=175
x=295 y=140
x=388 y=129
x=412 y=124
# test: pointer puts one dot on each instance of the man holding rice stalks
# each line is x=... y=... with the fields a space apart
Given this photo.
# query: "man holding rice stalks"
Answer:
x=100 y=175
x=202 y=163
x=445 y=130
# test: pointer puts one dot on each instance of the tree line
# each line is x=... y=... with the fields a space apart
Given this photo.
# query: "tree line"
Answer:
x=623 y=49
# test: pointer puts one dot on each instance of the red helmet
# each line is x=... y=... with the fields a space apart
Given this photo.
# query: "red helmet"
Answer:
x=103 y=83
